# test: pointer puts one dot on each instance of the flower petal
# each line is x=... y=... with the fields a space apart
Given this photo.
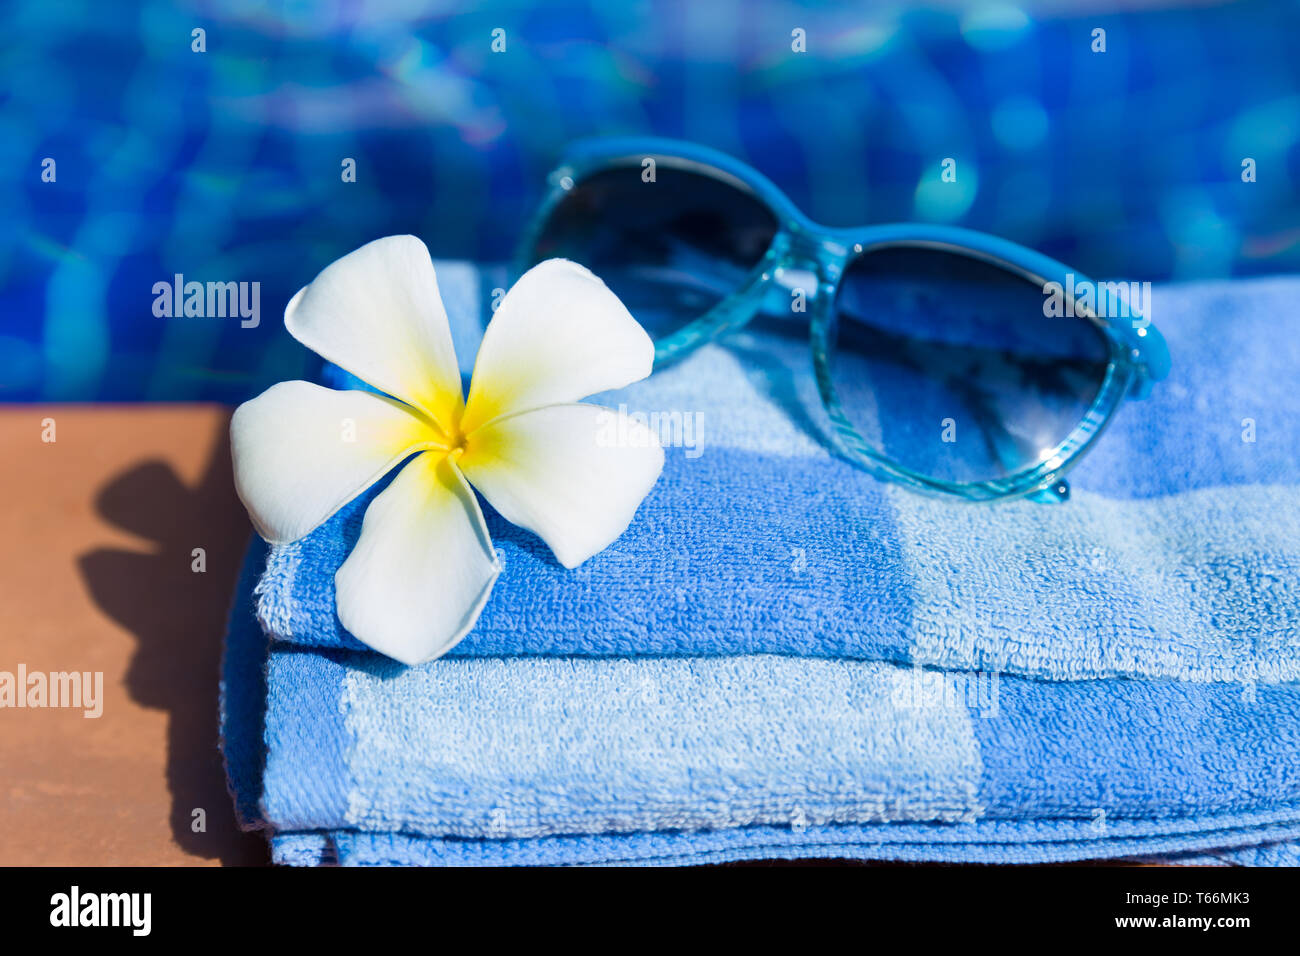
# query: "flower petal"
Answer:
x=572 y=474
x=423 y=567
x=559 y=335
x=377 y=313
x=301 y=452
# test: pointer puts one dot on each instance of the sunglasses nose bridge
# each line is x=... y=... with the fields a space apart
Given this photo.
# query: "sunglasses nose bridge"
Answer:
x=803 y=250
x=803 y=265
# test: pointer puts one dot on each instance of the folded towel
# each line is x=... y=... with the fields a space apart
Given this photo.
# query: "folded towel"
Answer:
x=1177 y=556
x=751 y=670
x=699 y=759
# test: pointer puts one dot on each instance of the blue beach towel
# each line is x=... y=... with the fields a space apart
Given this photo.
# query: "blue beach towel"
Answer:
x=1178 y=555
x=785 y=658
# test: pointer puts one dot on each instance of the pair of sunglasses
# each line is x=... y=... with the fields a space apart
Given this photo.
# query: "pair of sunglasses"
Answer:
x=950 y=361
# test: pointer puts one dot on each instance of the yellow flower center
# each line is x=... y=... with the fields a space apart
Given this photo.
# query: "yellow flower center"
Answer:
x=457 y=439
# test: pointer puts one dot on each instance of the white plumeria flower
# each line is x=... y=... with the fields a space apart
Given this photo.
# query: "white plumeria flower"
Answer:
x=424 y=565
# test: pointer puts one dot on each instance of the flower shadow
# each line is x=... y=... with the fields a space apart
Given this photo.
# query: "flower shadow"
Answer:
x=178 y=617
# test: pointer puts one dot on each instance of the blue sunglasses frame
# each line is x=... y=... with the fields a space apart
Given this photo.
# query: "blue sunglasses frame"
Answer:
x=1138 y=353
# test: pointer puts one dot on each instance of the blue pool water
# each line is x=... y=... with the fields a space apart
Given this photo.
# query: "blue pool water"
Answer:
x=224 y=165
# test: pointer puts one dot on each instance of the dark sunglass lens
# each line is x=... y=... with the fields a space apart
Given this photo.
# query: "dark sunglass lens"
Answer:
x=671 y=248
x=948 y=365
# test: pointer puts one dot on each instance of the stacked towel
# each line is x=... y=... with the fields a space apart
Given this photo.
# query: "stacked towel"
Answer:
x=785 y=658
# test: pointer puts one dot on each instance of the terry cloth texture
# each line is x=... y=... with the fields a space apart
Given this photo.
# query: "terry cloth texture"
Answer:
x=785 y=658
